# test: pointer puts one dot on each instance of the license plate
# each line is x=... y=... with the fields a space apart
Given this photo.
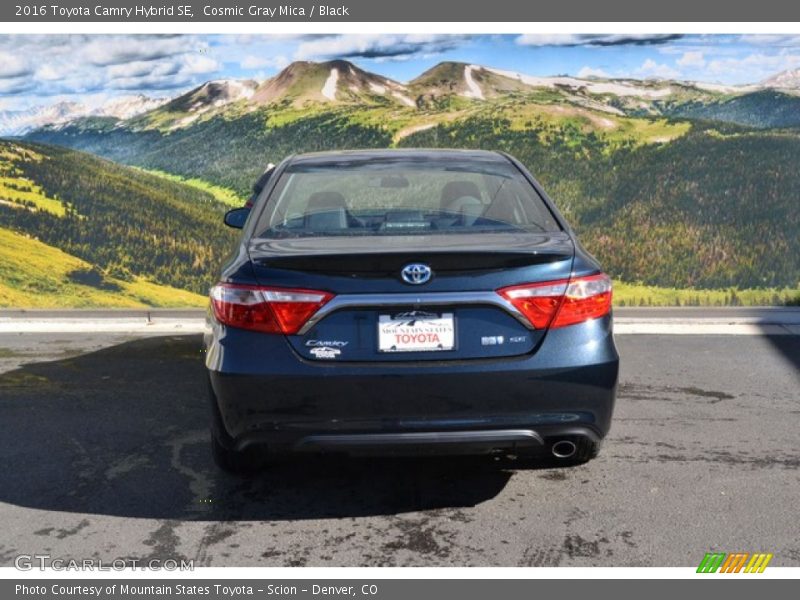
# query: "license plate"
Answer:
x=416 y=332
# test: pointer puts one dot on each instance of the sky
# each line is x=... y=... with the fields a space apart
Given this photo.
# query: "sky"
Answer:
x=91 y=69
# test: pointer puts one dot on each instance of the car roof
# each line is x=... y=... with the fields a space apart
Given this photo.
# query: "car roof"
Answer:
x=402 y=155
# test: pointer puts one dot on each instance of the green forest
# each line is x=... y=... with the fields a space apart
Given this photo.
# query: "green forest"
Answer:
x=125 y=225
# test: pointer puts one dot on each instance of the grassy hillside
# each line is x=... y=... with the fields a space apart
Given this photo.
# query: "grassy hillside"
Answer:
x=35 y=275
x=120 y=231
x=632 y=294
x=763 y=109
x=224 y=195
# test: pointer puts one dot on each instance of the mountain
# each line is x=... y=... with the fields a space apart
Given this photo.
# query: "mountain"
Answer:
x=213 y=94
x=298 y=86
x=91 y=227
x=19 y=122
x=336 y=81
x=479 y=82
x=785 y=80
x=126 y=107
x=188 y=107
x=465 y=80
x=446 y=87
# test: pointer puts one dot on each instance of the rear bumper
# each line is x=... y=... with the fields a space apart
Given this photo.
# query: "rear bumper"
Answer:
x=431 y=443
x=265 y=394
x=468 y=442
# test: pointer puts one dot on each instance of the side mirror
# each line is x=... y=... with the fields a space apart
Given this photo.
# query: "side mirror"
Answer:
x=237 y=217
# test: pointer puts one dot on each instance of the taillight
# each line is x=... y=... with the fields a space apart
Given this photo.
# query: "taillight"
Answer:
x=586 y=298
x=265 y=309
x=563 y=302
x=538 y=302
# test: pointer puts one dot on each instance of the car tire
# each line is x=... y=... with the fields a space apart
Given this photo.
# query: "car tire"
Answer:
x=235 y=462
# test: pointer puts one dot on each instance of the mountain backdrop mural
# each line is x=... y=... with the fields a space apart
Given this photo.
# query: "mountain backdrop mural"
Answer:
x=688 y=192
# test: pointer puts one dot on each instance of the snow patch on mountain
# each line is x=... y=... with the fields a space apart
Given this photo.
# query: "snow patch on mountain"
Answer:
x=329 y=89
x=473 y=89
x=126 y=107
x=724 y=89
x=784 y=80
x=404 y=99
x=595 y=87
x=377 y=88
x=236 y=89
x=623 y=89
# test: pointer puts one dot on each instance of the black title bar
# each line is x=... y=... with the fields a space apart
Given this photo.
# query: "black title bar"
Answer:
x=407 y=10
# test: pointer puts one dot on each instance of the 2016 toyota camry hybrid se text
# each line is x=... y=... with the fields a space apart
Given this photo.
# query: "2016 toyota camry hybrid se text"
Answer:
x=408 y=301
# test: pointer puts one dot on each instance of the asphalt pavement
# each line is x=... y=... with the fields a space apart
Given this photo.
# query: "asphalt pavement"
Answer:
x=103 y=442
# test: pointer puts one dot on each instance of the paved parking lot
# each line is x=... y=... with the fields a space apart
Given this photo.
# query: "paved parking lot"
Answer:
x=104 y=453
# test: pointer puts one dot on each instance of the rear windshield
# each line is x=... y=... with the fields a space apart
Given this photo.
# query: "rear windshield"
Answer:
x=403 y=197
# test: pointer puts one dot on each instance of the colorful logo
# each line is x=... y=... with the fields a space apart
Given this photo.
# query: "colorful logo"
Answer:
x=738 y=562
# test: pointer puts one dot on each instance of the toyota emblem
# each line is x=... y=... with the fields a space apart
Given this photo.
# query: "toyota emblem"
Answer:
x=416 y=273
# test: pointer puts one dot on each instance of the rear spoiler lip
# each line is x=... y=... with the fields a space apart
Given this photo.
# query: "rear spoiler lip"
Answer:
x=379 y=265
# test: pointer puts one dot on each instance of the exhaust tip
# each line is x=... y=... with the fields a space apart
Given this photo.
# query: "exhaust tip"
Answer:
x=564 y=449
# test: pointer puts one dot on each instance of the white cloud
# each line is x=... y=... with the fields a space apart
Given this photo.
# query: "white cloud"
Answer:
x=163 y=75
x=692 y=59
x=264 y=62
x=587 y=72
x=195 y=64
x=113 y=50
x=141 y=68
x=149 y=83
x=757 y=64
x=16 y=85
x=654 y=70
x=13 y=65
x=376 y=46
x=545 y=39
x=771 y=40
x=610 y=39
x=48 y=72
x=35 y=68
x=178 y=71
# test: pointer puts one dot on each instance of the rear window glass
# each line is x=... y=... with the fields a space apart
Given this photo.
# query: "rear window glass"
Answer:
x=403 y=197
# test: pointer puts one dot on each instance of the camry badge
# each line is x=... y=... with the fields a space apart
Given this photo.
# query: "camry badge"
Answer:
x=416 y=273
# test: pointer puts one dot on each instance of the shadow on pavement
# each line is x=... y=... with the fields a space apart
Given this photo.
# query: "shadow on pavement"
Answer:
x=788 y=346
x=123 y=432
